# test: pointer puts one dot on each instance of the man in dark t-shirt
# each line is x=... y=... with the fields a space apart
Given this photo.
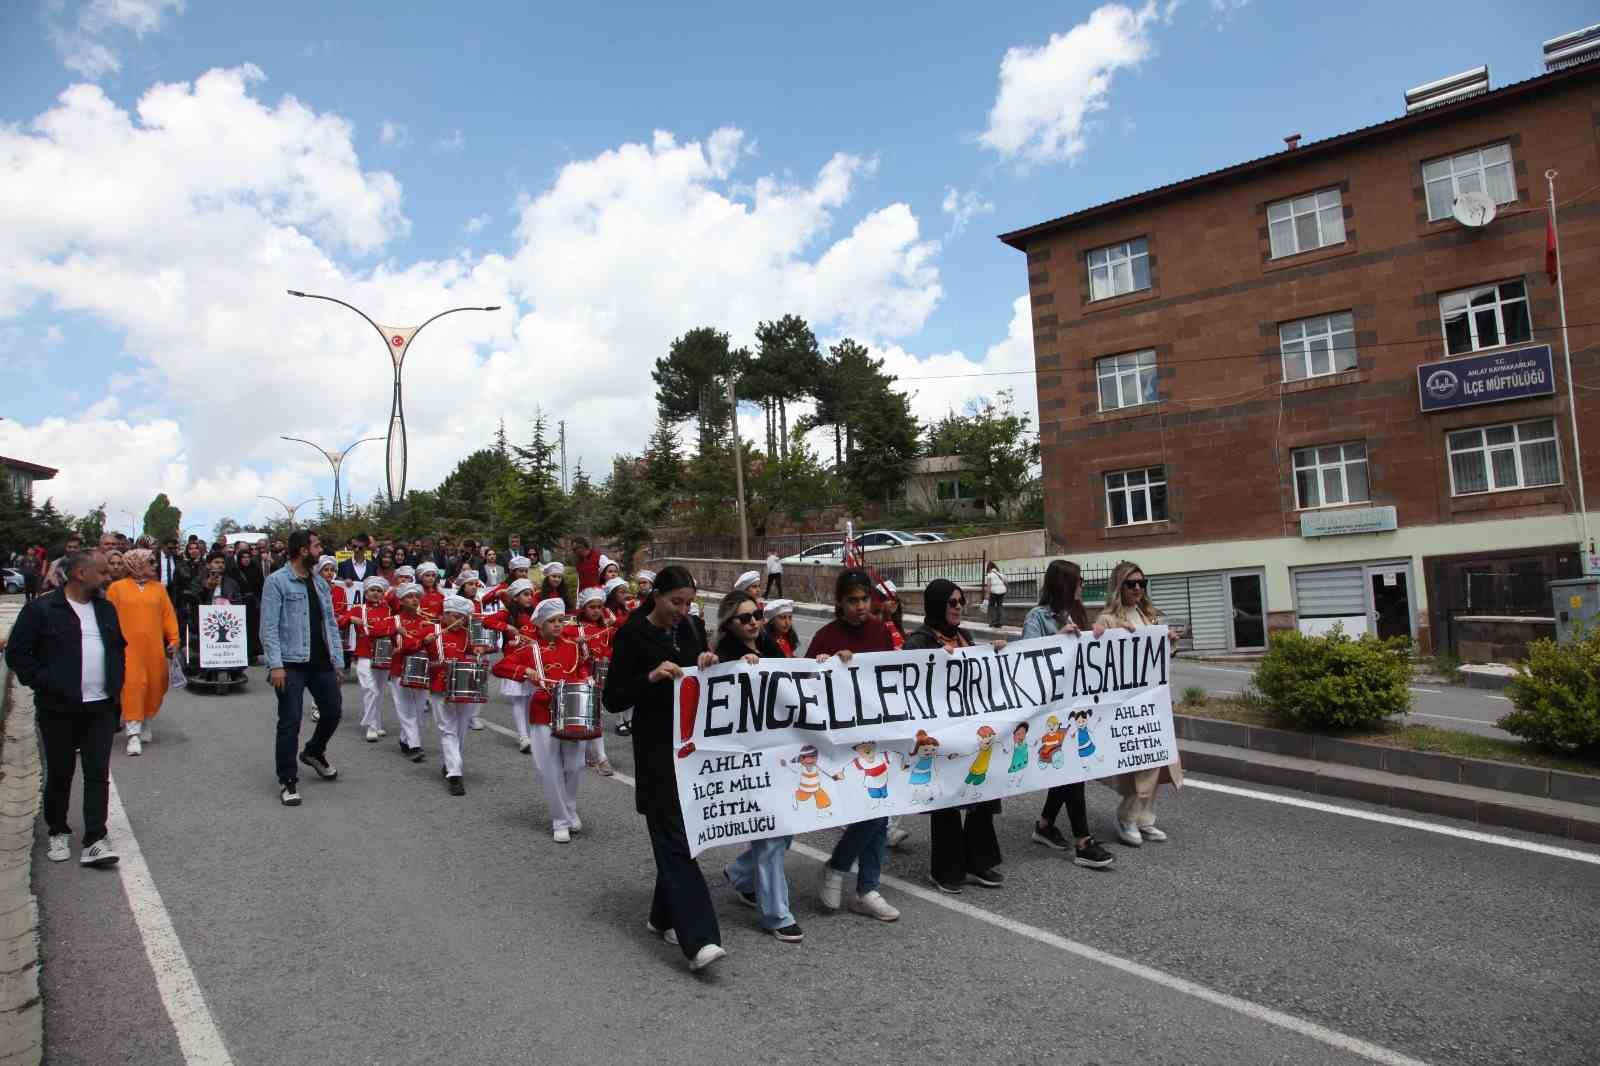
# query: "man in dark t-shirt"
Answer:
x=300 y=639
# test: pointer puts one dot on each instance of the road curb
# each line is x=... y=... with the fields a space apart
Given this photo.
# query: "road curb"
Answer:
x=21 y=1006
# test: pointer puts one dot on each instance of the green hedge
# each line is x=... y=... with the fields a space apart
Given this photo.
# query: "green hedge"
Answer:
x=1335 y=682
x=1556 y=696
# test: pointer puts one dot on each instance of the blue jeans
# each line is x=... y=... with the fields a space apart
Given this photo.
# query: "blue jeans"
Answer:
x=760 y=870
x=866 y=843
x=324 y=687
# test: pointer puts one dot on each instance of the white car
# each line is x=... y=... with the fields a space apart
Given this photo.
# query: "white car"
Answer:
x=828 y=552
x=13 y=580
x=932 y=538
x=886 y=538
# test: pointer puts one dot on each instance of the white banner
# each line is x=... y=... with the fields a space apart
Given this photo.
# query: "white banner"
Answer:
x=222 y=637
x=792 y=745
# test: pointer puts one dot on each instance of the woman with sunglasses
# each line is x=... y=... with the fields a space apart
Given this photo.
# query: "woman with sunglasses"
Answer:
x=965 y=847
x=1127 y=607
x=1061 y=611
x=757 y=875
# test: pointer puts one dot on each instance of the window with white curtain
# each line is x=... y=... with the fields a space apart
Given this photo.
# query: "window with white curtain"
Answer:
x=1330 y=475
x=1306 y=223
x=1480 y=170
x=1485 y=317
x=1316 y=347
x=1126 y=380
x=1118 y=269
x=1520 y=455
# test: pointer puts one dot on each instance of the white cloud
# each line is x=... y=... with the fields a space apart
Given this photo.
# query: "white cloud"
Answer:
x=1047 y=93
x=477 y=222
x=1226 y=9
x=452 y=142
x=82 y=41
x=963 y=207
x=393 y=133
x=53 y=335
x=187 y=268
x=948 y=381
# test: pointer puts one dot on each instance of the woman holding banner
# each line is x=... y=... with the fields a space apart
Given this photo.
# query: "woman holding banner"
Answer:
x=965 y=847
x=648 y=655
x=1128 y=606
x=1061 y=610
x=758 y=875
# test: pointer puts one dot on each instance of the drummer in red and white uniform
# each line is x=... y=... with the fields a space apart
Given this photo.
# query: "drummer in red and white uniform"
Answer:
x=432 y=597
x=403 y=576
x=614 y=611
x=517 y=568
x=747 y=582
x=371 y=611
x=511 y=623
x=780 y=626
x=410 y=632
x=542 y=662
x=470 y=587
x=449 y=645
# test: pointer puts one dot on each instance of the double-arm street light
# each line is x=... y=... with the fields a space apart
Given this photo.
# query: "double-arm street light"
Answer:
x=288 y=508
x=335 y=460
x=396 y=341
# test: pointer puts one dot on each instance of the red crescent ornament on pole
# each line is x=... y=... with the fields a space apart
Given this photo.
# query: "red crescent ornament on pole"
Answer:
x=397 y=340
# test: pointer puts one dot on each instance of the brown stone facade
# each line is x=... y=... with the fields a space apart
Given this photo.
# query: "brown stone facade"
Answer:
x=1226 y=422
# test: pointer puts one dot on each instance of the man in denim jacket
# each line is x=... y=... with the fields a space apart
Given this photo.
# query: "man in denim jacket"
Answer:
x=301 y=640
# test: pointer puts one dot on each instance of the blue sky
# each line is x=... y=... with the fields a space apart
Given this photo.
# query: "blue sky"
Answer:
x=477 y=153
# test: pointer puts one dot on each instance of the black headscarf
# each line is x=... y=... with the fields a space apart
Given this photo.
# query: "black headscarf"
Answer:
x=935 y=602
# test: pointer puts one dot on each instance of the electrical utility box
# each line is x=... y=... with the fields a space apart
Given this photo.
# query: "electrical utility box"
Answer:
x=1576 y=603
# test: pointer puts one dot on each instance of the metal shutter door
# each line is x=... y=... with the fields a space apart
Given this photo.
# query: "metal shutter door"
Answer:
x=1195 y=600
x=1338 y=593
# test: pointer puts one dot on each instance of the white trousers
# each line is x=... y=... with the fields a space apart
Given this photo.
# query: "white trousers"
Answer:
x=452 y=719
x=560 y=765
x=595 y=749
x=519 y=715
x=408 y=708
x=371 y=695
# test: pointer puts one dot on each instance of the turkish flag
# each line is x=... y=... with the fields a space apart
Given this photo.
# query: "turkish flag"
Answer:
x=1550 y=248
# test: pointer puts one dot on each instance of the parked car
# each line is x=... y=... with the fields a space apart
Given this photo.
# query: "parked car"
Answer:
x=827 y=552
x=14 y=581
x=886 y=538
x=931 y=538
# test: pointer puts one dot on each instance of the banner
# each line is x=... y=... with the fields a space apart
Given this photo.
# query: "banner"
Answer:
x=793 y=745
x=222 y=637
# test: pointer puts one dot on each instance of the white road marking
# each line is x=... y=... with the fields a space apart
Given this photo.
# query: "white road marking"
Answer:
x=1446 y=717
x=198 y=1036
x=1180 y=664
x=1391 y=819
x=1320 y=1033
x=1429 y=691
x=1502 y=699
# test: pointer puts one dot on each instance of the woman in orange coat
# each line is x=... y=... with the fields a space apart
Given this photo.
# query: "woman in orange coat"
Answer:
x=144 y=611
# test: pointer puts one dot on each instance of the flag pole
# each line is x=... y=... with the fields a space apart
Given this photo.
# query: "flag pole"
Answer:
x=1566 y=357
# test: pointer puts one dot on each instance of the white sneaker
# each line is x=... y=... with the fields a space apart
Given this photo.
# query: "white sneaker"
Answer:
x=98 y=854
x=382 y=732
x=134 y=745
x=563 y=835
x=669 y=935
x=706 y=956
x=373 y=734
x=1129 y=834
x=832 y=887
x=476 y=724
x=576 y=825
x=524 y=745
x=60 y=847
x=1150 y=832
x=873 y=905
x=147 y=732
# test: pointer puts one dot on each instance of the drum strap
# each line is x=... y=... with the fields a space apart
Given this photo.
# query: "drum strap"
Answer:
x=438 y=639
x=538 y=664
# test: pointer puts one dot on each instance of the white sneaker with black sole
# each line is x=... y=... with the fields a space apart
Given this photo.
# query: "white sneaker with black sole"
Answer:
x=60 y=849
x=290 y=795
x=99 y=853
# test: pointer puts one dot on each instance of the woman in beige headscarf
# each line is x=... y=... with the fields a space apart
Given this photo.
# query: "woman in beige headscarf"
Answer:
x=150 y=626
x=1127 y=606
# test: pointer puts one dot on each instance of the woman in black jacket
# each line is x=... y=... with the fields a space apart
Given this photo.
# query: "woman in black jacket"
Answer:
x=253 y=580
x=649 y=653
x=965 y=847
x=740 y=632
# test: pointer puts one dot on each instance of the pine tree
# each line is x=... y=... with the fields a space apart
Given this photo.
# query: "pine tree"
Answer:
x=529 y=496
x=663 y=468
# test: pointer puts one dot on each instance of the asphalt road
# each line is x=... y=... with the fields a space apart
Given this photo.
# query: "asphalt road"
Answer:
x=387 y=922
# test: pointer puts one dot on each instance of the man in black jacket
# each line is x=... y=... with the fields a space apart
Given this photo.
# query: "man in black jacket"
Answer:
x=68 y=648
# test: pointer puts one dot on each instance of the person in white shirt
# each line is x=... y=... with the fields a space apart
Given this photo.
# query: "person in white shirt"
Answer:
x=995 y=586
x=774 y=575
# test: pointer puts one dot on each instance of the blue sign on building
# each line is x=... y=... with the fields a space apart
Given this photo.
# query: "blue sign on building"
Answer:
x=1475 y=379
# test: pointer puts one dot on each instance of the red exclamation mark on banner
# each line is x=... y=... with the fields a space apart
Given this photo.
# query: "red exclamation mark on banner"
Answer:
x=688 y=706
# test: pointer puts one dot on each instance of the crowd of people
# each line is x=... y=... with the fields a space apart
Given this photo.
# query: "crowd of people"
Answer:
x=424 y=625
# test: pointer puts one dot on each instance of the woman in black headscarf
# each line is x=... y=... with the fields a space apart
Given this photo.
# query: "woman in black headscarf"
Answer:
x=251 y=581
x=965 y=847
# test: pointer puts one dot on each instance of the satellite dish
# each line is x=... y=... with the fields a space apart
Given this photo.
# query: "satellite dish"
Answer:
x=1473 y=209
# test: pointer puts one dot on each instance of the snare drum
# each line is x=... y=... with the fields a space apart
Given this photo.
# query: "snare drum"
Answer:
x=416 y=672
x=478 y=636
x=602 y=667
x=464 y=683
x=575 y=712
x=382 y=651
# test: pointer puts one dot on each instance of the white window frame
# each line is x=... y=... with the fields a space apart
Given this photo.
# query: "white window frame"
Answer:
x=1109 y=258
x=1515 y=446
x=1319 y=469
x=1129 y=371
x=1153 y=476
x=1468 y=172
x=1472 y=312
x=1341 y=345
x=1325 y=207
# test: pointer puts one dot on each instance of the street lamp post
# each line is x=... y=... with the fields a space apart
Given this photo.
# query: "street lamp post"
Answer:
x=335 y=460
x=396 y=341
x=288 y=508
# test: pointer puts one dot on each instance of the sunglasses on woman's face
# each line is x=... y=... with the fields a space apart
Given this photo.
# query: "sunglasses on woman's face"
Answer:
x=748 y=617
x=1135 y=583
x=958 y=603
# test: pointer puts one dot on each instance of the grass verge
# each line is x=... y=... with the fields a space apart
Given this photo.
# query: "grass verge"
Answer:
x=1398 y=735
